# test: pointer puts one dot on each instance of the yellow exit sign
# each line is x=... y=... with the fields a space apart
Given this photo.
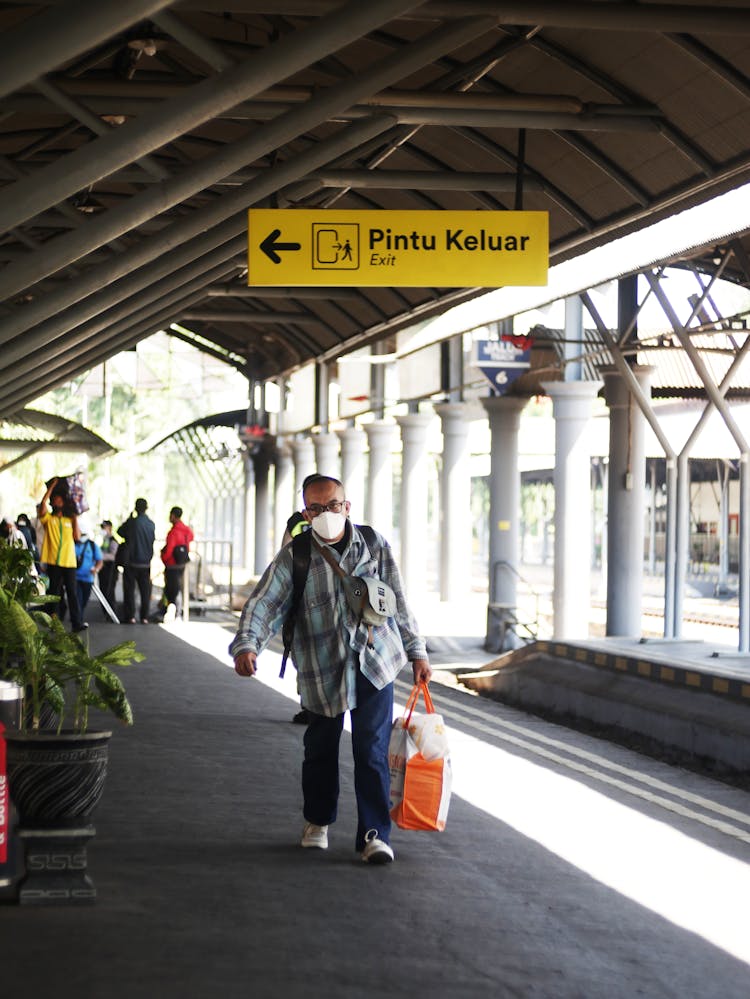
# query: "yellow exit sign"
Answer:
x=432 y=249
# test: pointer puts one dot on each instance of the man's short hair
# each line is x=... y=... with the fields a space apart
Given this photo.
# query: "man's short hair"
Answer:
x=315 y=478
x=176 y=511
x=141 y=505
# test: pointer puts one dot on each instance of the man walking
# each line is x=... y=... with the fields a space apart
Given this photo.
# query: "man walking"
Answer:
x=174 y=555
x=341 y=665
x=139 y=533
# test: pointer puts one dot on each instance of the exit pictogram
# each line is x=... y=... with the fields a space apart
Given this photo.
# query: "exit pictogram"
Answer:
x=335 y=246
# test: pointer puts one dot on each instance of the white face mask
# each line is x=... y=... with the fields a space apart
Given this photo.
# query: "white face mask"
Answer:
x=328 y=525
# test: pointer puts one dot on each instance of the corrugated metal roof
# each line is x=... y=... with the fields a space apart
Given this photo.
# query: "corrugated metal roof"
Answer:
x=131 y=143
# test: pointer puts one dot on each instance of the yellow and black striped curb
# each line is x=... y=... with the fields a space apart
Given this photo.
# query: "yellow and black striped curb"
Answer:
x=674 y=676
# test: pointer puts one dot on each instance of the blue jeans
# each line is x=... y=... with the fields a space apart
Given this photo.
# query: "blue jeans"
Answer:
x=371 y=731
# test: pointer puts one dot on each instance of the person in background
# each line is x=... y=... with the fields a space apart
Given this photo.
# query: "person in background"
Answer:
x=108 y=571
x=174 y=555
x=25 y=527
x=58 y=553
x=89 y=560
x=10 y=533
x=139 y=533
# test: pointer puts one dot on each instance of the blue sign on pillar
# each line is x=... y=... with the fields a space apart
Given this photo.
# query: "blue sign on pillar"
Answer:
x=502 y=361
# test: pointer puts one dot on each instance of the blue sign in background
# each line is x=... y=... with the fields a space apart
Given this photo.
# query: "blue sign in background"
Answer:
x=501 y=362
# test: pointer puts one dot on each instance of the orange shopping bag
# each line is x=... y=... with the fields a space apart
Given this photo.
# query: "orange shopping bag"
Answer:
x=420 y=767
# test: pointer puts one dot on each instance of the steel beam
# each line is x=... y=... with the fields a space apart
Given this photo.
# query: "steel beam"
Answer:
x=132 y=294
x=74 y=360
x=53 y=93
x=320 y=294
x=97 y=159
x=211 y=53
x=421 y=180
x=252 y=318
x=52 y=37
x=717 y=398
x=113 y=322
x=175 y=247
x=65 y=250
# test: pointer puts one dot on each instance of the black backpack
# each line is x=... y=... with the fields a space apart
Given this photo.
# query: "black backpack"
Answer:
x=301 y=551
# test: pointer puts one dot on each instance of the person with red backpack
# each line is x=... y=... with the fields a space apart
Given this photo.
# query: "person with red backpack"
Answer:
x=175 y=555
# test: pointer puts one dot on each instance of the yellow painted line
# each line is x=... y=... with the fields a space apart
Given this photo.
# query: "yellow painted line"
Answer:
x=745 y=690
x=720 y=686
x=601 y=659
x=693 y=679
x=621 y=663
x=644 y=669
x=581 y=655
x=666 y=673
x=561 y=650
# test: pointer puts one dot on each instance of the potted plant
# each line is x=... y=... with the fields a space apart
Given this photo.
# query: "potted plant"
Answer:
x=56 y=765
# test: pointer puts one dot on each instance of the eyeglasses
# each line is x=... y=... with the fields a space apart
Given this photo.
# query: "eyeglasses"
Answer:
x=335 y=506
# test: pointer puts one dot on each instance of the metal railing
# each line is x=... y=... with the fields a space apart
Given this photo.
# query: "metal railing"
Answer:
x=208 y=582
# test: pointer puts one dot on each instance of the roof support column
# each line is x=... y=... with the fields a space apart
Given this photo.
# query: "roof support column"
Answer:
x=248 y=511
x=625 y=506
x=571 y=597
x=504 y=413
x=283 y=489
x=304 y=465
x=379 y=499
x=327 y=454
x=261 y=463
x=413 y=519
x=455 y=501
x=352 y=441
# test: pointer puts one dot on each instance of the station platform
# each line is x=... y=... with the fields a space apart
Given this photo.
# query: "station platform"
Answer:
x=203 y=889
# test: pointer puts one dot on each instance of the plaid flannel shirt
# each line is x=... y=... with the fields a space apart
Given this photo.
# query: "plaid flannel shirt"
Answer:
x=329 y=645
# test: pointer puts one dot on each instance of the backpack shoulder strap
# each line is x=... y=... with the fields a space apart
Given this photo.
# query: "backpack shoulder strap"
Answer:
x=300 y=566
x=368 y=533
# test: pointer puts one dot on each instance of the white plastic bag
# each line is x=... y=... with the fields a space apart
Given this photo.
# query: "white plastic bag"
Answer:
x=428 y=733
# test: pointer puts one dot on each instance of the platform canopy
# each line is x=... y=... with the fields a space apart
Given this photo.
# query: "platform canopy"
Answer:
x=134 y=137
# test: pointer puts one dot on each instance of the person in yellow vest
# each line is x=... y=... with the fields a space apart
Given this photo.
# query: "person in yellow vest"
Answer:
x=61 y=532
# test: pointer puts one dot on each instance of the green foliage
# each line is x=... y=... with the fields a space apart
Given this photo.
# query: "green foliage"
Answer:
x=52 y=666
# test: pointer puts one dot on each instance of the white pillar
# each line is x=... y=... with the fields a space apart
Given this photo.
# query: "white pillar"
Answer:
x=413 y=560
x=262 y=511
x=304 y=465
x=625 y=502
x=249 y=513
x=504 y=414
x=455 y=502
x=379 y=499
x=283 y=490
x=327 y=454
x=571 y=598
x=353 y=449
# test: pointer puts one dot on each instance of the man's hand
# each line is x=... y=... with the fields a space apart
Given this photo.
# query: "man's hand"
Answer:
x=422 y=670
x=244 y=664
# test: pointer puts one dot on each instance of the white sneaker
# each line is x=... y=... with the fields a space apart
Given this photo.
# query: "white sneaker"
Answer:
x=315 y=836
x=170 y=613
x=376 y=851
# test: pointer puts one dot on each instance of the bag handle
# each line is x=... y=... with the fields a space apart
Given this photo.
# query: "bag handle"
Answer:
x=416 y=690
